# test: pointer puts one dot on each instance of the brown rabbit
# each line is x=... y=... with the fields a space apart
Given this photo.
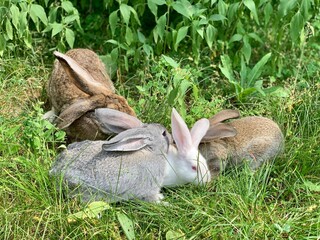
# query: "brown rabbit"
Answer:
x=257 y=139
x=78 y=85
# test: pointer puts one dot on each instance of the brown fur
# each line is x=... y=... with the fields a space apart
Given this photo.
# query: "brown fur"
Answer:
x=257 y=139
x=74 y=101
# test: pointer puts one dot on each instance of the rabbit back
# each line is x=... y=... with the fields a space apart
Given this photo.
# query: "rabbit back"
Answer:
x=258 y=139
x=61 y=89
x=92 y=173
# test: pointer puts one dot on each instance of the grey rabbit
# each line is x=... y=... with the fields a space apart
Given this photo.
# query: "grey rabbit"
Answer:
x=79 y=84
x=134 y=164
x=254 y=138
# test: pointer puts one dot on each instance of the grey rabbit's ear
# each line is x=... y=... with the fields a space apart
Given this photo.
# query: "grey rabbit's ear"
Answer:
x=224 y=115
x=220 y=130
x=113 y=121
x=130 y=140
x=77 y=109
x=80 y=76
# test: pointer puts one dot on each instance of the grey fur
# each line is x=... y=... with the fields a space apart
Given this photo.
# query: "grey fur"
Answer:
x=97 y=170
x=257 y=139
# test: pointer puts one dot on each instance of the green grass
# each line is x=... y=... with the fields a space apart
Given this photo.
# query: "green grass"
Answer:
x=279 y=201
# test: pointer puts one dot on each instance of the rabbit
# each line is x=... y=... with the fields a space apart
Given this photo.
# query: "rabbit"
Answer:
x=254 y=138
x=133 y=164
x=78 y=85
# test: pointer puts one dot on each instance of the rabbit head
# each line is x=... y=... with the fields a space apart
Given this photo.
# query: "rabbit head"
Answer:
x=78 y=85
x=130 y=165
x=185 y=163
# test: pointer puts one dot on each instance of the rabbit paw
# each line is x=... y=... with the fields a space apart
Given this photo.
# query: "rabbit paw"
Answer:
x=154 y=198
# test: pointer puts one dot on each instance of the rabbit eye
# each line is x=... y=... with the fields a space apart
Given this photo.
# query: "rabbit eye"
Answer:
x=194 y=168
x=164 y=133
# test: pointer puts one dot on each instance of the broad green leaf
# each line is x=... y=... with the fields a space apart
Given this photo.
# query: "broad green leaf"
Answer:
x=126 y=63
x=39 y=12
x=222 y=8
x=182 y=33
x=9 y=30
x=235 y=38
x=147 y=49
x=268 y=10
x=305 y=7
x=277 y=91
x=56 y=28
x=243 y=73
x=23 y=23
x=184 y=86
x=246 y=48
x=28 y=41
x=129 y=36
x=14 y=10
x=285 y=7
x=47 y=29
x=141 y=37
x=210 y=35
x=252 y=7
x=173 y=95
x=183 y=7
x=113 y=20
x=125 y=12
x=226 y=67
x=217 y=17
x=93 y=210
x=153 y=7
x=246 y=92
x=256 y=71
x=70 y=37
x=161 y=26
x=255 y=37
x=67 y=6
x=258 y=85
x=170 y=61
x=52 y=16
x=296 y=26
x=232 y=12
x=135 y=15
x=200 y=31
x=112 y=41
x=114 y=54
x=70 y=18
x=127 y=225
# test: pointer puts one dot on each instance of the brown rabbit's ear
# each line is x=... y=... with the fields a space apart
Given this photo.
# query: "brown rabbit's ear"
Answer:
x=218 y=131
x=80 y=76
x=224 y=115
x=77 y=109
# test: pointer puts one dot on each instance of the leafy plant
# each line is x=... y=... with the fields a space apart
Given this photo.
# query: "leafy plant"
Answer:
x=23 y=22
x=247 y=82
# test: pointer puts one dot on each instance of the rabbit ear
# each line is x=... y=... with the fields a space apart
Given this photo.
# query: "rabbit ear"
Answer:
x=80 y=76
x=115 y=121
x=130 y=140
x=180 y=132
x=224 y=115
x=185 y=140
x=77 y=109
x=199 y=130
x=220 y=130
